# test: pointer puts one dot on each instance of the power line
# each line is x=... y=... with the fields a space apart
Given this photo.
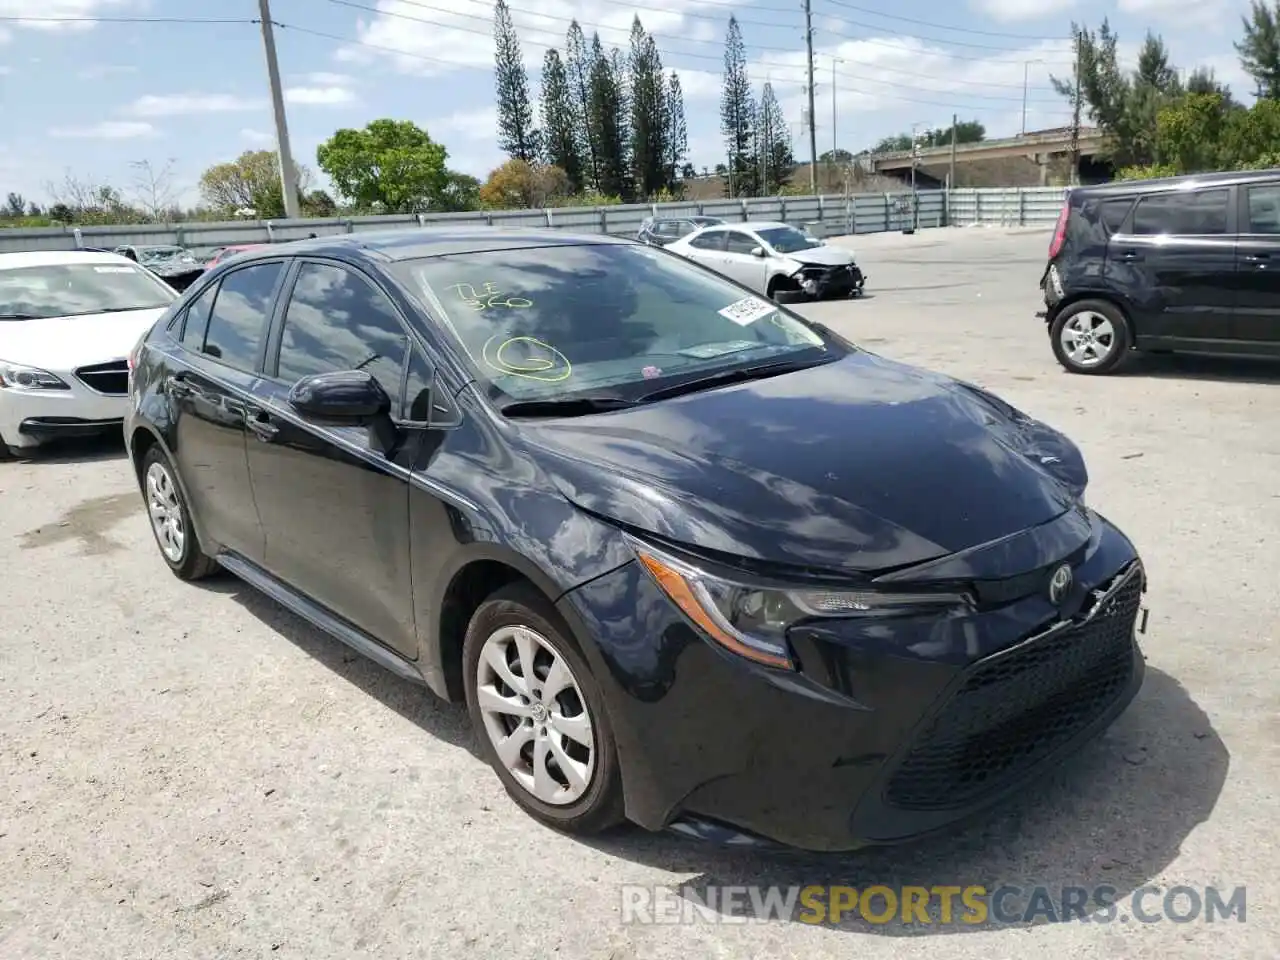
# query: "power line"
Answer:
x=206 y=20
x=716 y=58
x=941 y=26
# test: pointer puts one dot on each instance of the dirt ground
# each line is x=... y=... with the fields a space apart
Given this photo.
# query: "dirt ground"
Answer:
x=192 y=772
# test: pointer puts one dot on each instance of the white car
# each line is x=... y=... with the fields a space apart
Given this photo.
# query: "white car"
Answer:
x=68 y=320
x=775 y=259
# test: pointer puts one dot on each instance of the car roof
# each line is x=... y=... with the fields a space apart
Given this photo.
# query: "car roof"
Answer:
x=393 y=245
x=756 y=225
x=53 y=258
x=1187 y=181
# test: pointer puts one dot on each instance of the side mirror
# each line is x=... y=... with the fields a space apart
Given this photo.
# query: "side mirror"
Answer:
x=757 y=251
x=345 y=397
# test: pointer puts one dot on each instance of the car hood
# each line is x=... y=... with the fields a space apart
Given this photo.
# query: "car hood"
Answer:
x=859 y=465
x=824 y=256
x=63 y=343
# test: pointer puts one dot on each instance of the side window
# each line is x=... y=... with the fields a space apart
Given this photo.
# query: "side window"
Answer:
x=1113 y=212
x=240 y=313
x=197 y=321
x=1264 y=208
x=1182 y=214
x=339 y=321
x=741 y=242
x=422 y=402
x=709 y=241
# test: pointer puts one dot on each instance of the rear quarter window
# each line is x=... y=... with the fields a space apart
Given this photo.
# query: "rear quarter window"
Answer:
x=1113 y=213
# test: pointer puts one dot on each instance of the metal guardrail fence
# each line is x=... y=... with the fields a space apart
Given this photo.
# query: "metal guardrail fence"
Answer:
x=830 y=215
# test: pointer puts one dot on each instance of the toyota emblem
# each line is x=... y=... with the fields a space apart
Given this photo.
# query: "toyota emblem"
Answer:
x=1059 y=584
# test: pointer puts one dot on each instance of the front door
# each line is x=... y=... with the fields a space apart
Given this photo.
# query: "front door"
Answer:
x=1257 y=317
x=740 y=263
x=222 y=340
x=1177 y=263
x=334 y=502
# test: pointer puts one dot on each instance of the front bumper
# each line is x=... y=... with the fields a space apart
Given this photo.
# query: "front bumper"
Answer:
x=844 y=281
x=29 y=417
x=883 y=735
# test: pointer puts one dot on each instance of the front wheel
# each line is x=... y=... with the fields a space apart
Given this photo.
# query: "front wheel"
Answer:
x=171 y=519
x=540 y=715
x=1091 y=337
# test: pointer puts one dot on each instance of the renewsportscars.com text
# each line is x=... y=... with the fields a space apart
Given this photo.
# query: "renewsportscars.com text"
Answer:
x=974 y=905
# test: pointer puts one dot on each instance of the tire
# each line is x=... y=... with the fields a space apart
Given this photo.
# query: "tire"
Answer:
x=1102 y=320
x=167 y=510
x=513 y=623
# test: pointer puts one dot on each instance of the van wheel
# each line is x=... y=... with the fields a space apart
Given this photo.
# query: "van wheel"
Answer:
x=1091 y=336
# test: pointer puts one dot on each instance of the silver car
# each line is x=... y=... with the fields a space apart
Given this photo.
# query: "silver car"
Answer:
x=775 y=259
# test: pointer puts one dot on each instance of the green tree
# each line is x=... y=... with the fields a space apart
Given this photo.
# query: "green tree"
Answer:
x=561 y=131
x=738 y=114
x=649 y=125
x=607 y=121
x=1259 y=48
x=391 y=165
x=250 y=182
x=577 y=68
x=461 y=192
x=677 y=138
x=517 y=135
x=774 y=145
x=318 y=203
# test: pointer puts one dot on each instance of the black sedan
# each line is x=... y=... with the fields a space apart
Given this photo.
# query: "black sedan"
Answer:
x=689 y=559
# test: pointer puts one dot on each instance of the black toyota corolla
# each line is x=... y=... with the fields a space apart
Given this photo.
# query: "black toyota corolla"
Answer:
x=690 y=559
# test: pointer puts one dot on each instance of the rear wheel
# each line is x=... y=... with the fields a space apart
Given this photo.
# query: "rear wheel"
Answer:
x=1091 y=337
x=171 y=519
x=539 y=713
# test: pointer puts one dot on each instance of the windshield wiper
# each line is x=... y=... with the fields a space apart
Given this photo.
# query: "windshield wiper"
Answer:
x=565 y=406
x=737 y=375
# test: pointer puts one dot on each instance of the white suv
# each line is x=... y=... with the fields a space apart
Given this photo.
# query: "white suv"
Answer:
x=68 y=320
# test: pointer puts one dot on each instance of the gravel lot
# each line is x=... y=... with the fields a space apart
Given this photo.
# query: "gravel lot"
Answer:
x=194 y=772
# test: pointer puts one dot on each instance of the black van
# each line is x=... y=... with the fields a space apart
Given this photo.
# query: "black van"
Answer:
x=1181 y=263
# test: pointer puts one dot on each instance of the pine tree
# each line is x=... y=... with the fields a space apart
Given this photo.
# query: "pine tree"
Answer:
x=648 y=113
x=517 y=135
x=577 y=68
x=777 y=160
x=737 y=114
x=1259 y=49
x=561 y=134
x=607 y=120
x=677 y=138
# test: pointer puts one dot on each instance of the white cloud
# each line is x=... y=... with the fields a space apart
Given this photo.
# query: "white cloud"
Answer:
x=259 y=138
x=323 y=79
x=319 y=96
x=176 y=104
x=106 y=130
x=101 y=70
x=52 y=10
x=1011 y=11
x=5 y=35
x=1214 y=14
x=477 y=125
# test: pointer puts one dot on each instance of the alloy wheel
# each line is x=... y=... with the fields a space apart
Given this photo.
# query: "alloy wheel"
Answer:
x=1088 y=338
x=165 y=510
x=535 y=715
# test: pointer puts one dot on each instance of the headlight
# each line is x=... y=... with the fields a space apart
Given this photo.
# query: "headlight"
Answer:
x=15 y=376
x=752 y=621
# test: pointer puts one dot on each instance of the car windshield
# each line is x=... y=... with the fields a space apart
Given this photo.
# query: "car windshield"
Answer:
x=75 y=289
x=557 y=321
x=159 y=253
x=787 y=239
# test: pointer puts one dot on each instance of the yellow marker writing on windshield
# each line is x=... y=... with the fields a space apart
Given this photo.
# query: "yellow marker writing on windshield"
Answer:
x=488 y=296
x=532 y=367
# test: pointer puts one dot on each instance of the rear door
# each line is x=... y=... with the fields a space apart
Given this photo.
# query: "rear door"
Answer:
x=1176 y=263
x=223 y=336
x=1257 y=317
x=707 y=248
x=334 y=502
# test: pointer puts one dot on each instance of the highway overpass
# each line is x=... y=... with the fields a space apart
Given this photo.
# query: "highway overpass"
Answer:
x=1041 y=158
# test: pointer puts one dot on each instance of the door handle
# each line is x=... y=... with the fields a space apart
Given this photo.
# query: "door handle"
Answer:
x=260 y=425
x=1129 y=256
x=1255 y=257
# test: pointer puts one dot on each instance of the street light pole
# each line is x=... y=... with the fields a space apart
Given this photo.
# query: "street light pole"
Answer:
x=288 y=172
x=1026 y=65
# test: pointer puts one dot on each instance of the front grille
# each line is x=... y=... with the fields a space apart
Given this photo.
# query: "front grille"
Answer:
x=1014 y=709
x=110 y=378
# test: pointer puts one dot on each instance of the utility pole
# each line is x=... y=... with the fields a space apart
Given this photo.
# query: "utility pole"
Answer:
x=1075 y=115
x=1026 y=65
x=951 y=174
x=813 y=134
x=288 y=173
x=835 y=140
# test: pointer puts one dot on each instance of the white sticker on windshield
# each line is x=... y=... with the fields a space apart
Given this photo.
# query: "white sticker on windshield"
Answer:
x=113 y=269
x=747 y=311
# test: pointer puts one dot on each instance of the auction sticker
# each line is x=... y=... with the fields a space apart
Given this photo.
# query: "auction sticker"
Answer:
x=747 y=311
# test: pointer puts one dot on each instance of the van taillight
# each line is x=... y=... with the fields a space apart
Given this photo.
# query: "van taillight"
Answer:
x=1059 y=232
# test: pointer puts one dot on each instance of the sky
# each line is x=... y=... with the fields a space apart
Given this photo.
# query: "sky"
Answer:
x=121 y=86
